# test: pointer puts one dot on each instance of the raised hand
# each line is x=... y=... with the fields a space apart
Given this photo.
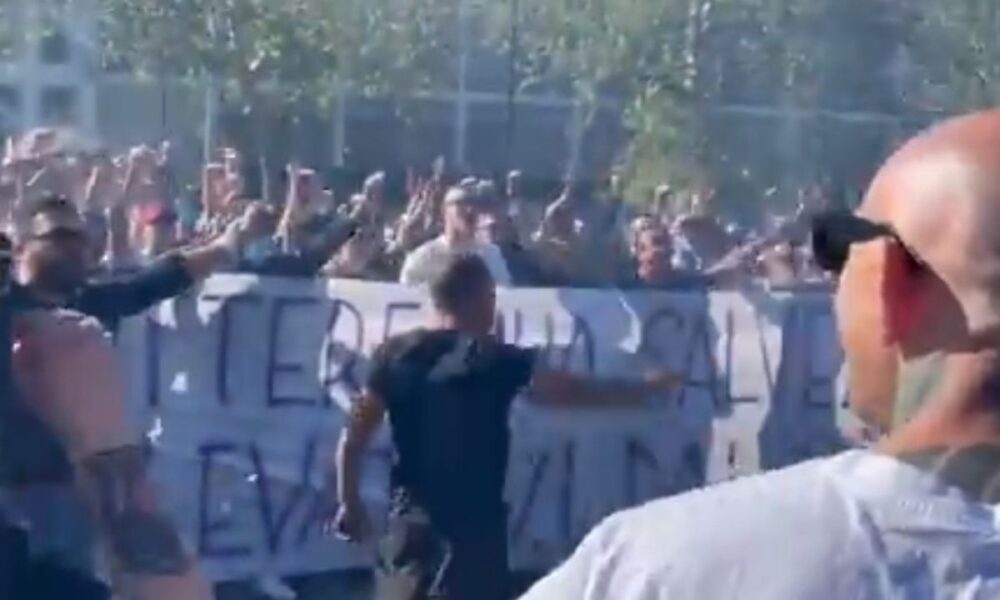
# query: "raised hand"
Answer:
x=258 y=220
x=213 y=180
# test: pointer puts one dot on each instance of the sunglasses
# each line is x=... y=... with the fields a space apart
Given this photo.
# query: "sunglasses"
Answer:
x=834 y=232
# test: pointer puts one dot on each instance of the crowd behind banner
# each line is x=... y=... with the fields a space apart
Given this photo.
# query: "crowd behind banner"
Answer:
x=136 y=209
x=149 y=235
x=245 y=387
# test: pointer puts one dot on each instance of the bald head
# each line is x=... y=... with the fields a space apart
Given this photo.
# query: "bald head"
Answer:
x=941 y=193
x=938 y=291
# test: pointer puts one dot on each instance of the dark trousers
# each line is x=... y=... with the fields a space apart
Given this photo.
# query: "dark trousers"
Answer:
x=419 y=561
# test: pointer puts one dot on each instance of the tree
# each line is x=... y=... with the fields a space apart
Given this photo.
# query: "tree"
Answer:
x=953 y=58
x=589 y=49
x=282 y=58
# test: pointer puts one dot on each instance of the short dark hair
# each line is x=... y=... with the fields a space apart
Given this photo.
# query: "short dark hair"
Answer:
x=53 y=203
x=462 y=273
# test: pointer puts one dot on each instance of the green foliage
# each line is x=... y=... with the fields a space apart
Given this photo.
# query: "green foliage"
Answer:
x=670 y=64
x=395 y=47
x=300 y=47
x=244 y=44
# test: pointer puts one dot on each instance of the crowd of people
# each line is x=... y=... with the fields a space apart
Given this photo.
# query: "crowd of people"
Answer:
x=134 y=210
x=914 y=516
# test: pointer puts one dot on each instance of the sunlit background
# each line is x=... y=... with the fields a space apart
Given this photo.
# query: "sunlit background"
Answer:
x=752 y=98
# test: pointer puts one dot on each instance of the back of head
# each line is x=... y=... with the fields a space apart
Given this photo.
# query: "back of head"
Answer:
x=464 y=295
x=461 y=276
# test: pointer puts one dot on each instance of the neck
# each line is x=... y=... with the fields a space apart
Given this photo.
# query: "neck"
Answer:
x=962 y=407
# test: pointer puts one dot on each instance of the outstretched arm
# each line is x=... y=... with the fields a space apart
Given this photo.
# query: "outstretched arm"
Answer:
x=559 y=388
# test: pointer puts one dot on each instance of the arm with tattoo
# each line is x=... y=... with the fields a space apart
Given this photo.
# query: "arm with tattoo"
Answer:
x=141 y=540
x=68 y=370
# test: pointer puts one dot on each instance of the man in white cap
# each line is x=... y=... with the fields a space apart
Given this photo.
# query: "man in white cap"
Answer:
x=461 y=219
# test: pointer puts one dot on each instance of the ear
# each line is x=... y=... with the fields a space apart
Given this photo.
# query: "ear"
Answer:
x=905 y=294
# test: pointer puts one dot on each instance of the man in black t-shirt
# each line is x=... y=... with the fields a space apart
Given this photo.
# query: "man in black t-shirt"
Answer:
x=448 y=391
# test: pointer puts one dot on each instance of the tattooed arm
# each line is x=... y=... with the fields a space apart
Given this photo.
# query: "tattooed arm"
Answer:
x=140 y=540
x=68 y=373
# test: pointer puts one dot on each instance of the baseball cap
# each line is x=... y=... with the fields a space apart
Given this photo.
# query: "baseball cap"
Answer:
x=461 y=195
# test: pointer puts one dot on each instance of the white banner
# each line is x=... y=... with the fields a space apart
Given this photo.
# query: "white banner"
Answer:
x=243 y=389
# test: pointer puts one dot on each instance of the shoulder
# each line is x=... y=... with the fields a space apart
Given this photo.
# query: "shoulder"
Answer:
x=429 y=248
x=405 y=345
x=423 y=254
x=678 y=543
x=396 y=344
x=747 y=498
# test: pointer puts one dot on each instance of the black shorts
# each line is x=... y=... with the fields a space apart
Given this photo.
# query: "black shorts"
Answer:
x=419 y=561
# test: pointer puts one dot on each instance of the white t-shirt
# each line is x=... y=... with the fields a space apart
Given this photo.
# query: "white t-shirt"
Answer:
x=856 y=526
x=424 y=264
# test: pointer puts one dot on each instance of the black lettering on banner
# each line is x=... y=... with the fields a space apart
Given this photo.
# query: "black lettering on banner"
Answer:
x=550 y=336
x=319 y=506
x=345 y=375
x=819 y=387
x=500 y=328
x=391 y=309
x=208 y=527
x=274 y=522
x=274 y=367
x=730 y=341
x=566 y=493
x=731 y=461
x=701 y=341
x=765 y=356
x=649 y=325
x=539 y=464
x=581 y=332
x=517 y=330
x=637 y=455
x=153 y=341
x=693 y=461
x=229 y=303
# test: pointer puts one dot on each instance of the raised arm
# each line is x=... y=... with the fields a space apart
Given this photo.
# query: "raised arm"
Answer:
x=563 y=389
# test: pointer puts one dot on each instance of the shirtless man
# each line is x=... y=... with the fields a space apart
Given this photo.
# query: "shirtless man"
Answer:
x=915 y=517
x=66 y=369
